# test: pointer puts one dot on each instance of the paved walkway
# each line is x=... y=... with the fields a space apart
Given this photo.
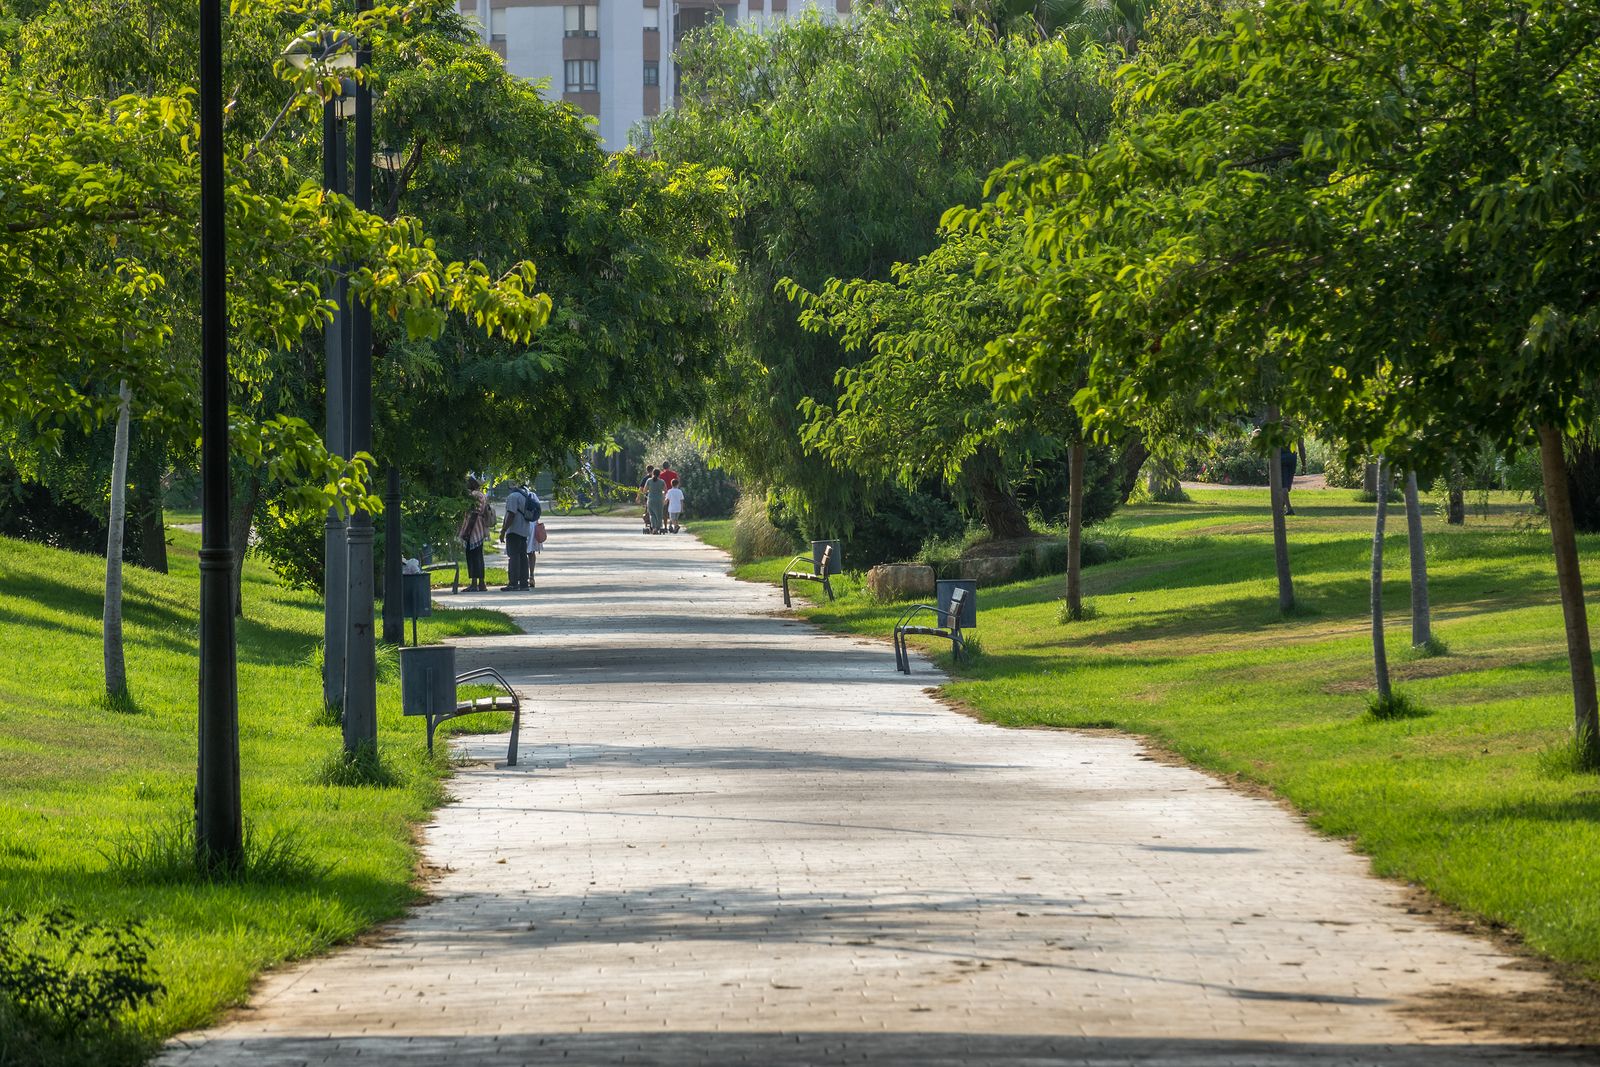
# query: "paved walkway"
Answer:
x=734 y=840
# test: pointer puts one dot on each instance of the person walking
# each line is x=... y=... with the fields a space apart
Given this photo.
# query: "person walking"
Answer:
x=655 y=492
x=516 y=531
x=674 y=505
x=473 y=532
x=668 y=475
x=1288 y=461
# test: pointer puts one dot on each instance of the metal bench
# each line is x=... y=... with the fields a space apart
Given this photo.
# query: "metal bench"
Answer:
x=455 y=565
x=454 y=709
x=949 y=628
x=819 y=572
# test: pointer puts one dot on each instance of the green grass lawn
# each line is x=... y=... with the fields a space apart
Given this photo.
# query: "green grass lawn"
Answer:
x=81 y=780
x=1186 y=647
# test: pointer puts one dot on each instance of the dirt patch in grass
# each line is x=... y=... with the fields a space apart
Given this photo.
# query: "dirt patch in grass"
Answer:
x=1438 y=667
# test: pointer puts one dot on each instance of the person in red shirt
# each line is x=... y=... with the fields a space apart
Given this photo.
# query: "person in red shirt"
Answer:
x=667 y=474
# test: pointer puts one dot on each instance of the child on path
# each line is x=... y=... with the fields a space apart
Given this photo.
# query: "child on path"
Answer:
x=674 y=505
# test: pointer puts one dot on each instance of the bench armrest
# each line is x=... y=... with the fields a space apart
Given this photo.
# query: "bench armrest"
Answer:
x=915 y=609
x=811 y=566
x=491 y=674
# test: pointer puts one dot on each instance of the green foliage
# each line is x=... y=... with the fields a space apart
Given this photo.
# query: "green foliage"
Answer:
x=754 y=535
x=848 y=139
x=1227 y=459
x=65 y=972
x=1396 y=705
x=163 y=853
x=363 y=767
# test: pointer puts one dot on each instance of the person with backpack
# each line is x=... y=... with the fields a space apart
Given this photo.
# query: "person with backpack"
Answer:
x=522 y=511
x=473 y=532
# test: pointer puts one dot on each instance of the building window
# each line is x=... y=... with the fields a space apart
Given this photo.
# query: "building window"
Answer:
x=652 y=18
x=583 y=76
x=497 y=24
x=652 y=72
x=583 y=20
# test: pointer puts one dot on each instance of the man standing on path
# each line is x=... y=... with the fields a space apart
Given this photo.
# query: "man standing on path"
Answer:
x=515 y=531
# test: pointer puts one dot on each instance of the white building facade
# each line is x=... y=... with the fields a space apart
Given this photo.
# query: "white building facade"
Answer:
x=613 y=58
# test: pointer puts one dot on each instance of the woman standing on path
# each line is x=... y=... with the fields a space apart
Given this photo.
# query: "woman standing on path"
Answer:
x=474 y=531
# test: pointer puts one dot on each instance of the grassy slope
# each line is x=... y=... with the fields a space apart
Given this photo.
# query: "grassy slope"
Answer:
x=1187 y=648
x=78 y=777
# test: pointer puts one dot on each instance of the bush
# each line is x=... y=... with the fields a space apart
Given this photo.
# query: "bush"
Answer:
x=754 y=534
x=1044 y=492
x=61 y=973
x=1227 y=460
x=883 y=527
x=1340 y=474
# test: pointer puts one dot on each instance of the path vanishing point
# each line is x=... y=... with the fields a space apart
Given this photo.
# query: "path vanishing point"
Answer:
x=733 y=839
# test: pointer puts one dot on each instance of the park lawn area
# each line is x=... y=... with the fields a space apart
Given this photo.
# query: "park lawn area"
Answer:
x=1186 y=647
x=82 y=780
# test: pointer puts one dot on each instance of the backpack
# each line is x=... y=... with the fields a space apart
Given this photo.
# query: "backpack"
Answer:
x=529 y=508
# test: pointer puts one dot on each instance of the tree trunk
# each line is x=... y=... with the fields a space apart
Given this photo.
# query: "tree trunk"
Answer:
x=998 y=509
x=1580 y=655
x=1421 y=622
x=147 y=460
x=1075 y=531
x=1456 y=509
x=1380 y=656
x=1129 y=461
x=115 y=668
x=1280 y=530
x=239 y=532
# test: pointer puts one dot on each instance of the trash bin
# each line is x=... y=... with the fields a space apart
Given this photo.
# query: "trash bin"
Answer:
x=416 y=595
x=428 y=679
x=945 y=588
x=835 y=565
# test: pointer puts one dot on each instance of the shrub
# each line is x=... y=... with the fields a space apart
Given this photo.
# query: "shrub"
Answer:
x=754 y=534
x=62 y=973
x=1228 y=460
x=1396 y=706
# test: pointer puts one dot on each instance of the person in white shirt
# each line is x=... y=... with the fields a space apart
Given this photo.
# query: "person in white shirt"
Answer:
x=674 y=505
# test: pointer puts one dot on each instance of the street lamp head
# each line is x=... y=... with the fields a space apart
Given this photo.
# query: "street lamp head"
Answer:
x=345 y=106
x=392 y=160
x=336 y=51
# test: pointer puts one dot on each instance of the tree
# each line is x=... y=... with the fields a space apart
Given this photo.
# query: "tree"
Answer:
x=1389 y=201
x=1421 y=617
x=116 y=675
x=848 y=140
x=1380 y=656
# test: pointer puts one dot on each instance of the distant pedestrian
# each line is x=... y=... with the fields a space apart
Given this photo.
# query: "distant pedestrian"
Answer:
x=535 y=537
x=674 y=505
x=655 y=493
x=473 y=532
x=668 y=475
x=517 y=530
x=1288 y=461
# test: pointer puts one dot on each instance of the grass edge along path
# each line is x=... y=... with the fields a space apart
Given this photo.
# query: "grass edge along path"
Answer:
x=97 y=800
x=1471 y=800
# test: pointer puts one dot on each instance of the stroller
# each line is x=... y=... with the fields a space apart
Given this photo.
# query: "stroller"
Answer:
x=651 y=527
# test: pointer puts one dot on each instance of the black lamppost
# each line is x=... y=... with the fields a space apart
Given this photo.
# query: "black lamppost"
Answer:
x=333 y=51
x=218 y=813
x=394 y=623
x=360 y=672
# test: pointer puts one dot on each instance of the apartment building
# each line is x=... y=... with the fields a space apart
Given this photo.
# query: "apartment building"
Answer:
x=613 y=58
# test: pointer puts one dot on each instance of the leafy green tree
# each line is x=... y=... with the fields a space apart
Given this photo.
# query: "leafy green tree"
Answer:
x=1382 y=215
x=848 y=141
